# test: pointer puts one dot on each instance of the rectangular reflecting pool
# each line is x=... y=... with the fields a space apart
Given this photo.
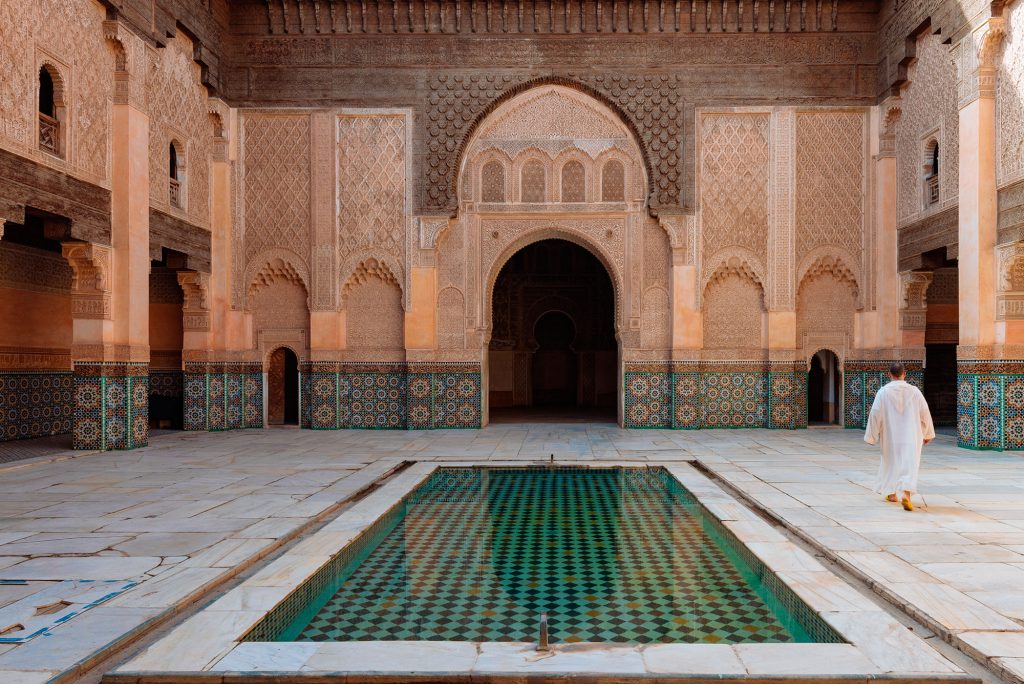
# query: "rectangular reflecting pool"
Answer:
x=610 y=554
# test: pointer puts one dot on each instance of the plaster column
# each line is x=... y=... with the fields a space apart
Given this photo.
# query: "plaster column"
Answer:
x=110 y=347
x=886 y=324
x=986 y=369
x=421 y=316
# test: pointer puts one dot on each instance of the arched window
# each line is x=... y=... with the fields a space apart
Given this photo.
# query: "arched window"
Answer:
x=492 y=182
x=176 y=170
x=532 y=182
x=613 y=182
x=51 y=111
x=574 y=182
x=931 y=173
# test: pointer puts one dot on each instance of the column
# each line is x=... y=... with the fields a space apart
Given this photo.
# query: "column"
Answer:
x=984 y=372
x=110 y=292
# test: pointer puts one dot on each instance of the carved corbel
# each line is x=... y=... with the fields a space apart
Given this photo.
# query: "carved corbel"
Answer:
x=196 y=309
x=892 y=109
x=1010 y=287
x=90 y=282
x=914 y=301
x=218 y=111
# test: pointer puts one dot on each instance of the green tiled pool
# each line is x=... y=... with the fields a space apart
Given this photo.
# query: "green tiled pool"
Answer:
x=610 y=554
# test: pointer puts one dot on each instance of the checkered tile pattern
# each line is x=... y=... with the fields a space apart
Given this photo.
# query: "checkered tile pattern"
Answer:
x=612 y=555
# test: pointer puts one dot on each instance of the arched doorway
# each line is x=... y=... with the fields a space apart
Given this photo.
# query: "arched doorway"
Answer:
x=283 y=388
x=824 y=386
x=553 y=353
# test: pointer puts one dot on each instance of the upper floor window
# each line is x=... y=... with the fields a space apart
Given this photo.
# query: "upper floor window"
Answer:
x=175 y=172
x=51 y=111
x=931 y=173
x=613 y=182
x=492 y=182
x=574 y=182
x=532 y=182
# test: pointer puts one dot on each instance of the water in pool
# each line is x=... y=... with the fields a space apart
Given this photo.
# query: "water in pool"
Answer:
x=611 y=555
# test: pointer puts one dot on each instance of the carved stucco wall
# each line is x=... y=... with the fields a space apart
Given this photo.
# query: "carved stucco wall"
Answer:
x=372 y=187
x=826 y=304
x=375 y=321
x=69 y=35
x=733 y=313
x=281 y=314
x=929 y=108
x=275 y=192
x=734 y=183
x=177 y=105
x=1010 y=98
x=830 y=185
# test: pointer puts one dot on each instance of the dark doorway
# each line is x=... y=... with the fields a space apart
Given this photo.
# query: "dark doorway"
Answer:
x=555 y=363
x=942 y=334
x=553 y=353
x=283 y=388
x=824 y=384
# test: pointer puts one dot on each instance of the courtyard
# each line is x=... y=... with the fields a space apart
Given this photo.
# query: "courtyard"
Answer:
x=174 y=525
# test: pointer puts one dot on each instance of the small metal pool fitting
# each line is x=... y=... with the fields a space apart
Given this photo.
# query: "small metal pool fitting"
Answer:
x=542 y=643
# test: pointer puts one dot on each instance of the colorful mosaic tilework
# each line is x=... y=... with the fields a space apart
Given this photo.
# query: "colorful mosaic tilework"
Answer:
x=611 y=555
x=715 y=395
x=390 y=396
x=111 y=405
x=990 y=404
x=223 y=396
x=861 y=382
x=35 y=404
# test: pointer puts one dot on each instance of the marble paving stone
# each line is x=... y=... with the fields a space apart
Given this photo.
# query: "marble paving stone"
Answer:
x=195 y=644
x=888 y=644
x=70 y=567
x=168 y=543
x=784 y=556
x=266 y=657
x=950 y=608
x=27 y=676
x=393 y=656
x=169 y=588
x=804 y=659
x=980 y=577
x=498 y=657
x=996 y=644
x=717 y=659
x=823 y=591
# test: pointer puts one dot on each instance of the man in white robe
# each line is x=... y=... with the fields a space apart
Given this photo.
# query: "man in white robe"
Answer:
x=901 y=420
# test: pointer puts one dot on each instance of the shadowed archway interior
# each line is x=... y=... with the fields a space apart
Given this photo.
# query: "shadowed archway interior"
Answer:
x=553 y=352
x=824 y=386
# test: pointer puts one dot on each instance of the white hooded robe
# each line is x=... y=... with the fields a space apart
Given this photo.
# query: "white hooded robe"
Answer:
x=901 y=420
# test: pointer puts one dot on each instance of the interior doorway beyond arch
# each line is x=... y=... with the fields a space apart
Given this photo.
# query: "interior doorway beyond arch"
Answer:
x=824 y=389
x=553 y=354
x=283 y=388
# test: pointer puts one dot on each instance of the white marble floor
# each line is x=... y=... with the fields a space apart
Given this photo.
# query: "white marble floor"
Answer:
x=191 y=510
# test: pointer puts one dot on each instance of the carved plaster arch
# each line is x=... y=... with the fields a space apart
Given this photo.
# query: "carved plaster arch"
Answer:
x=829 y=259
x=272 y=264
x=733 y=261
x=383 y=265
x=825 y=347
x=506 y=102
x=371 y=267
x=271 y=348
x=493 y=270
x=491 y=154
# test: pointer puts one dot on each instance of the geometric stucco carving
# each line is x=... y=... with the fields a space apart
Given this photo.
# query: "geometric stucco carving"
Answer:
x=196 y=307
x=914 y=299
x=1010 y=285
x=91 y=285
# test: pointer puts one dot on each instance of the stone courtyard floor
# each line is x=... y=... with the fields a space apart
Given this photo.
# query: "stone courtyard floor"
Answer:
x=187 y=515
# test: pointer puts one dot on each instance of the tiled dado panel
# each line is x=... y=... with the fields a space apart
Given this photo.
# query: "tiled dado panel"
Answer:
x=223 y=396
x=990 y=404
x=390 y=396
x=861 y=382
x=697 y=395
x=111 y=405
x=35 y=404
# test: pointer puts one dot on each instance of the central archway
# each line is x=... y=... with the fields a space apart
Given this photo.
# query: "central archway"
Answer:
x=552 y=354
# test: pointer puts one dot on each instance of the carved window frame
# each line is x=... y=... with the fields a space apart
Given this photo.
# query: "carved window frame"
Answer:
x=524 y=159
x=60 y=78
x=569 y=157
x=931 y=178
